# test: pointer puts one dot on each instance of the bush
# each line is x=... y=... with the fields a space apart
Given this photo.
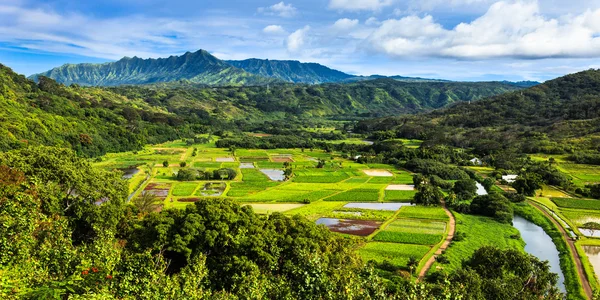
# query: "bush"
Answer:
x=493 y=205
x=187 y=175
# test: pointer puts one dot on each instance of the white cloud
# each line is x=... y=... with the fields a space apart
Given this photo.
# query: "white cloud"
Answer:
x=297 y=39
x=357 y=5
x=274 y=29
x=280 y=9
x=344 y=24
x=372 y=21
x=507 y=29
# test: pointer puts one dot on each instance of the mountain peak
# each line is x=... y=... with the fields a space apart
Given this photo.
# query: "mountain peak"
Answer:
x=196 y=67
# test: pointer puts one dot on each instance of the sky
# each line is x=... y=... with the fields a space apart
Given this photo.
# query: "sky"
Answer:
x=464 y=40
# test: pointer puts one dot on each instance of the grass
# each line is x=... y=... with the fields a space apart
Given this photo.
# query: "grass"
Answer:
x=310 y=196
x=400 y=196
x=241 y=189
x=184 y=189
x=417 y=226
x=408 y=238
x=358 y=194
x=423 y=212
x=253 y=175
x=580 y=217
x=577 y=203
x=397 y=254
x=316 y=210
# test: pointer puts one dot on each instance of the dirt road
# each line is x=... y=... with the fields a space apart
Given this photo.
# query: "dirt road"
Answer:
x=444 y=245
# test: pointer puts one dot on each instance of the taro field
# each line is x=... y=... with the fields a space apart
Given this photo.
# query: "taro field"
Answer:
x=366 y=202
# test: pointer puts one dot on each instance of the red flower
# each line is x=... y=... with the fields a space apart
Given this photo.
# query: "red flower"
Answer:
x=109 y=277
x=94 y=270
x=85 y=272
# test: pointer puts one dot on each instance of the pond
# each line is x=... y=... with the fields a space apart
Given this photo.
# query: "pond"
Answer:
x=368 y=142
x=274 y=174
x=540 y=245
x=480 y=189
x=354 y=227
x=213 y=189
x=593 y=254
x=246 y=165
x=589 y=232
x=377 y=206
x=128 y=173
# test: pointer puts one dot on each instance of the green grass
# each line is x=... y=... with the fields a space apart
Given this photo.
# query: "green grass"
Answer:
x=253 y=175
x=577 y=203
x=580 y=217
x=319 y=176
x=423 y=212
x=480 y=231
x=397 y=254
x=408 y=238
x=357 y=180
x=311 y=196
x=356 y=195
x=207 y=164
x=417 y=226
x=241 y=189
x=316 y=210
x=184 y=189
x=269 y=165
x=400 y=196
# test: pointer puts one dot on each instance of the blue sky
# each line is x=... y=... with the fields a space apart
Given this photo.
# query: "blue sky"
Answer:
x=449 y=39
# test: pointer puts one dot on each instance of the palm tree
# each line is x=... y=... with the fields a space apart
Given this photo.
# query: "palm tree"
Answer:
x=147 y=202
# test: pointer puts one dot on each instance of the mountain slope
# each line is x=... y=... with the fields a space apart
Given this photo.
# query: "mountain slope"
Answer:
x=381 y=97
x=554 y=117
x=290 y=70
x=198 y=67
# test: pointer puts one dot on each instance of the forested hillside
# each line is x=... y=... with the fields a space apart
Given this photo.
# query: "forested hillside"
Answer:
x=95 y=120
x=290 y=70
x=198 y=67
x=531 y=120
x=382 y=97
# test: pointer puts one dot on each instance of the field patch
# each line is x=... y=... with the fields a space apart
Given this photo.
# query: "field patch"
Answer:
x=376 y=206
x=159 y=190
x=262 y=208
x=400 y=187
x=356 y=195
x=408 y=238
x=212 y=189
x=225 y=159
x=423 y=212
x=253 y=175
x=577 y=203
x=274 y=174
x=397 y=254
x=184 y=189
x=246 y=166
x=399 y=195
x=378 y=173
x=353 y=227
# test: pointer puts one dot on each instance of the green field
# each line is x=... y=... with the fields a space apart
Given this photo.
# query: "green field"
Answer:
x=184 y=189
x=479 y=231
x=400 y=196
x=408 y=238
x=359 y=194
x=420 y=212
x=577 y=203
x=397 y=254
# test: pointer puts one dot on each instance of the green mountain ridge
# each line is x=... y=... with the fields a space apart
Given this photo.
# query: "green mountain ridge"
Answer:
x=554 y=117
x=96 y=120
x=197 y=67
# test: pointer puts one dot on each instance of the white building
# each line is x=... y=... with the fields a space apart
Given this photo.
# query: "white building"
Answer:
x=476 y=161
x=509 y=178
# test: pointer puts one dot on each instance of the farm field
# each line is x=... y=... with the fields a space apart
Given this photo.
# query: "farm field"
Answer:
x=369 y=202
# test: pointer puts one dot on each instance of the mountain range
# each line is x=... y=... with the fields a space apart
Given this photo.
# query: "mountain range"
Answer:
x=202 y=68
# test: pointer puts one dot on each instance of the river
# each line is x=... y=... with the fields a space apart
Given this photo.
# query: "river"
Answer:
x=540 y=245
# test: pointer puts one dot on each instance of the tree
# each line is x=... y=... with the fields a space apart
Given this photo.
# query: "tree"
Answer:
x=412 y=264
x=186 y=174
x=183 y=164
x=165 y=164
x=492 y=205
x=594 y=190
x=465 y=189
x=527 y=184
x=428 y=195
x=147 y=202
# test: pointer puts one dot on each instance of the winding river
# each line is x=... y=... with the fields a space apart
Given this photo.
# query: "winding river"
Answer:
x=540 y=245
